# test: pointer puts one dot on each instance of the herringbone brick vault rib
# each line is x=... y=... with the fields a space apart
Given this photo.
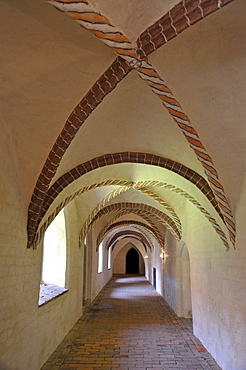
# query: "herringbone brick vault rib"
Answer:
x=130 y=326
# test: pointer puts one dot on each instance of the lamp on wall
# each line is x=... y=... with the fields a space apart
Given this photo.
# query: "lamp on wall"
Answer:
x=162 y=255
x=146 y=257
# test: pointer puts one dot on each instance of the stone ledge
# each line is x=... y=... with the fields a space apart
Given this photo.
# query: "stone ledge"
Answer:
x=48 y=292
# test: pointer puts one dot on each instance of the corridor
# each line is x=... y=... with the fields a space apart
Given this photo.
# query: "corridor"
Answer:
x=129 y=326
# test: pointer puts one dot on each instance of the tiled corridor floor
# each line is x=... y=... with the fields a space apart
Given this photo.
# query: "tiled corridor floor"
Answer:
x=130 y=326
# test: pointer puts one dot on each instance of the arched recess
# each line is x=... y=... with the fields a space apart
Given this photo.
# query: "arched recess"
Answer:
x=177 y=282
x=132 y=261
x=119 y=261
x=186 y=308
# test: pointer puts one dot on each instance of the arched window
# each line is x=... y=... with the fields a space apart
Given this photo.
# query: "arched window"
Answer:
x=109 y=258
x=100 y=258
x=53 y=278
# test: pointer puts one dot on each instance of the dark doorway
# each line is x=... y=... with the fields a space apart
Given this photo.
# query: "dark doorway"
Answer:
x=132 y=262
x=154 y=277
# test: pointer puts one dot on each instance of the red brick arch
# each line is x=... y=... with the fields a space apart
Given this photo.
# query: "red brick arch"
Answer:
x=135 y=224
x=135 y=208
x=113 y=159
x=180 y=17
x=129 y=234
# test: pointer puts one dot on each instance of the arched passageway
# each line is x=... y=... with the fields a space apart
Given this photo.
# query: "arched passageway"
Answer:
x=132 y=261
x=143 y=142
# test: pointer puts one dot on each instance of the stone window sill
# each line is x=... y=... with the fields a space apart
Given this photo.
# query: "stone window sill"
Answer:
x=48 y=292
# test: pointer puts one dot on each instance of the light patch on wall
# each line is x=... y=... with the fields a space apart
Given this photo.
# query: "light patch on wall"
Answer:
x=109 y=258
x=100 y=258
x=53 y=278
x=54 y=252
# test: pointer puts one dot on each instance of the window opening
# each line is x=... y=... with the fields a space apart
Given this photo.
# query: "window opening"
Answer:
x=109 y=258
x=100 y=258
x=54 y=260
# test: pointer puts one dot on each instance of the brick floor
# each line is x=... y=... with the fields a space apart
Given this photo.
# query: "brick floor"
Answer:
x=130 y=326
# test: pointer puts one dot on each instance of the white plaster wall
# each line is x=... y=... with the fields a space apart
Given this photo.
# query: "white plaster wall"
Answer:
x=119 y=266
x=119 y=255
x=172 y=274
x=29 y=334
x=177 y=291
x=185 y=304
x=215 y=279
x=159 y=265
x=218 y=280
x=155 y=260
x=98 y=280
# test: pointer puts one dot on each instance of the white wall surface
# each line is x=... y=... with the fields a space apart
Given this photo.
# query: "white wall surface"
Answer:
x=218 y=280
x=119 y=256
x=29 y=334
x=98 y=280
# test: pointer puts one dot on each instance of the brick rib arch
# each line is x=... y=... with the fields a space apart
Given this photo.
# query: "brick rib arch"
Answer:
x=180 y=17
x=135 y=208
x=144 y=217
x=92 y=20
x=102 y=87
x=117 y=158
x=128 y=185
x=124 y=186
x=129 y=234
x=178 y=191
x=183 y=15
x=131 y=223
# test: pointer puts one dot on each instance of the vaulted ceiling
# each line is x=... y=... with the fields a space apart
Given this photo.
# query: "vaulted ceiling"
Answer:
x=130 y=109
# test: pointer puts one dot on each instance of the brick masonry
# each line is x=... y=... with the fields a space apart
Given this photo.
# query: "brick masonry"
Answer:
x=129 y=234
x=132 y=223
x=136 y=208
x=129 y=326
x=180 y=17
x=115 y=158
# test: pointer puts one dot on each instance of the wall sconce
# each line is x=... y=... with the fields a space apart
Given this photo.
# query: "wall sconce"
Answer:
x=145 y=257
x=162 y=255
